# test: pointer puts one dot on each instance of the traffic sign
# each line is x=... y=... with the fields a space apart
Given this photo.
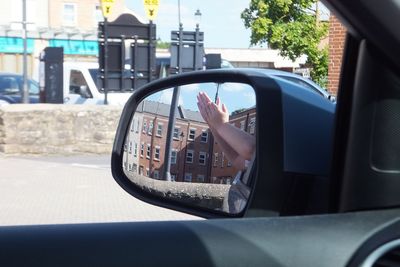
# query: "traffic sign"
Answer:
x=151 y=8
x=106 y=6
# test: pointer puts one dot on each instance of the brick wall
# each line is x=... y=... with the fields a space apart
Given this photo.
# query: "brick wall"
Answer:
x=337 y=35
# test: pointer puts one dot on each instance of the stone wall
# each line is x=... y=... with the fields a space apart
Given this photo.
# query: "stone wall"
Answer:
x=57 y=129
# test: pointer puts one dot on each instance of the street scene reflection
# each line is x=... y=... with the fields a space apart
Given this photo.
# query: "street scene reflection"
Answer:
x=199 y=169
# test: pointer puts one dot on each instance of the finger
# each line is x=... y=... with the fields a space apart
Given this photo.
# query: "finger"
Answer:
x=207 y=98
x=218 y=101
x=224 y=109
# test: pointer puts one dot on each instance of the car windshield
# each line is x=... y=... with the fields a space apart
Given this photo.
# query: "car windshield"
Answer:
x=56 y=156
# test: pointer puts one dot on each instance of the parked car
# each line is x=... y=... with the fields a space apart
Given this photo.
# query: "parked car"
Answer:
x=11 y=86
x=360 y=226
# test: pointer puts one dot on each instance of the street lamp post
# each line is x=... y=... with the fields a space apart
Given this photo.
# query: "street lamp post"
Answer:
x=25 y=91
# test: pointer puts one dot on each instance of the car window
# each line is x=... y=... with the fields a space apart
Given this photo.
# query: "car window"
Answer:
x=9 y=85
x=33 y=88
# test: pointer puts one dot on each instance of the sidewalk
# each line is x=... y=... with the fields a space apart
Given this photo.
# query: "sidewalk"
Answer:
x=36 y=191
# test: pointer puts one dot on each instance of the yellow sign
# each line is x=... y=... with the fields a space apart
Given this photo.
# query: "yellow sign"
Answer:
x=106 y=6
x=151 y=7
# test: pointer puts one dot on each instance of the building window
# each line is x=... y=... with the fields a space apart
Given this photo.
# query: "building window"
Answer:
x=141 y=170
x=156 y=175
x=134 y=167
x=192 y=134
x=188 y=177
x=215 y=159
x=148 y=151
x=242 y=125
x=204 y=136
x=157 y=153
x=222 y=159
x=173 y=177
x=252 y=125
x=133 y=125
x=174 y=154
x=130 y=147
x=228 y=181
x=189 y=156
x=229 y=164
x=144 y=126
x=159 y=129
x=151 y=125
x=202 y=158
x=69 y=14
x=135 y=150
x=200 y=178
x=137 y=126
x=142 y=149
x=176 y=133
x=98 y=14
x=147 y=172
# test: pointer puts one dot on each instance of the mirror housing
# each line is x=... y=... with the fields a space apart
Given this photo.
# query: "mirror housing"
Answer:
x=294 y=143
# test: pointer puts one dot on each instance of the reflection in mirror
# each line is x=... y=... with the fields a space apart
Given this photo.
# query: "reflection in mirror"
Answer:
x=208 y=131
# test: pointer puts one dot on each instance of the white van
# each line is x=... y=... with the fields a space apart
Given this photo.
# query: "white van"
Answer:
x=80 y=86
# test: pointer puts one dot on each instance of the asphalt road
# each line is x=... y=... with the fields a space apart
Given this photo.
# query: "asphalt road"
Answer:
x=78 y=189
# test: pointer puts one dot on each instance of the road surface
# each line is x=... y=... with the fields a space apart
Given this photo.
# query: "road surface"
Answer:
x=76 y=189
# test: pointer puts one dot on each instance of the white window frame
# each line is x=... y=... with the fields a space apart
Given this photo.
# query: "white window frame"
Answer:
x=159 y=129
x=157 y=151
x=173 y=177
x=142 y=150
x=186 y=178
x=190 y=134
x=204 y=136
x=215 y=164
x=148 y=151
x=135 y=150
x=202 y=154
x=72 y=22
x=156 y=174
x=174 y=158
x=151 y=126
x=189 y=151
x=177 y=136
x=144 y=129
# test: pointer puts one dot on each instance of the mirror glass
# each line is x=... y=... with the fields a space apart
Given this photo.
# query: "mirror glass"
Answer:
x=208 y=130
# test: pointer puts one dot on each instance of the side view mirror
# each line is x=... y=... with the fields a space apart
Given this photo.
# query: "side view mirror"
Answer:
x=85 y=92
x=222 y=143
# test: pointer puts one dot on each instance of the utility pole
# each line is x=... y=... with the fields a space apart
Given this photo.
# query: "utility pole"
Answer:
x=25 y=91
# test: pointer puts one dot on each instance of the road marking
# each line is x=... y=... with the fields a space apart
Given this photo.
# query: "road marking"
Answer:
x=90 y=166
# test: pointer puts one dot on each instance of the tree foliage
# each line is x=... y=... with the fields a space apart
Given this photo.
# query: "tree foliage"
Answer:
x=293 y=27
x=162 y=45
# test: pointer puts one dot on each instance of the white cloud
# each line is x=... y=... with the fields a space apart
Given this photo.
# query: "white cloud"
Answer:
x=166 y=97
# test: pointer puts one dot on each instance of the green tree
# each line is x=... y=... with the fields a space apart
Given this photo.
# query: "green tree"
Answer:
x=294 y=28
x=162 y=45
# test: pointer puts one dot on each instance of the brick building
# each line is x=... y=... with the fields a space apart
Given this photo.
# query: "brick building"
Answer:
x=193 y=158
x=145 y=145
x=337 y=35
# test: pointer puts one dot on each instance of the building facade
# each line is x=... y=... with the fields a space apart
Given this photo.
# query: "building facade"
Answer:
x=71 y=24
x=195 y=156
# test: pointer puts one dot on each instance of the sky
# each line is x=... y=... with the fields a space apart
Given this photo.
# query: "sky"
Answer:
x=234 y=95
x=220 y=20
